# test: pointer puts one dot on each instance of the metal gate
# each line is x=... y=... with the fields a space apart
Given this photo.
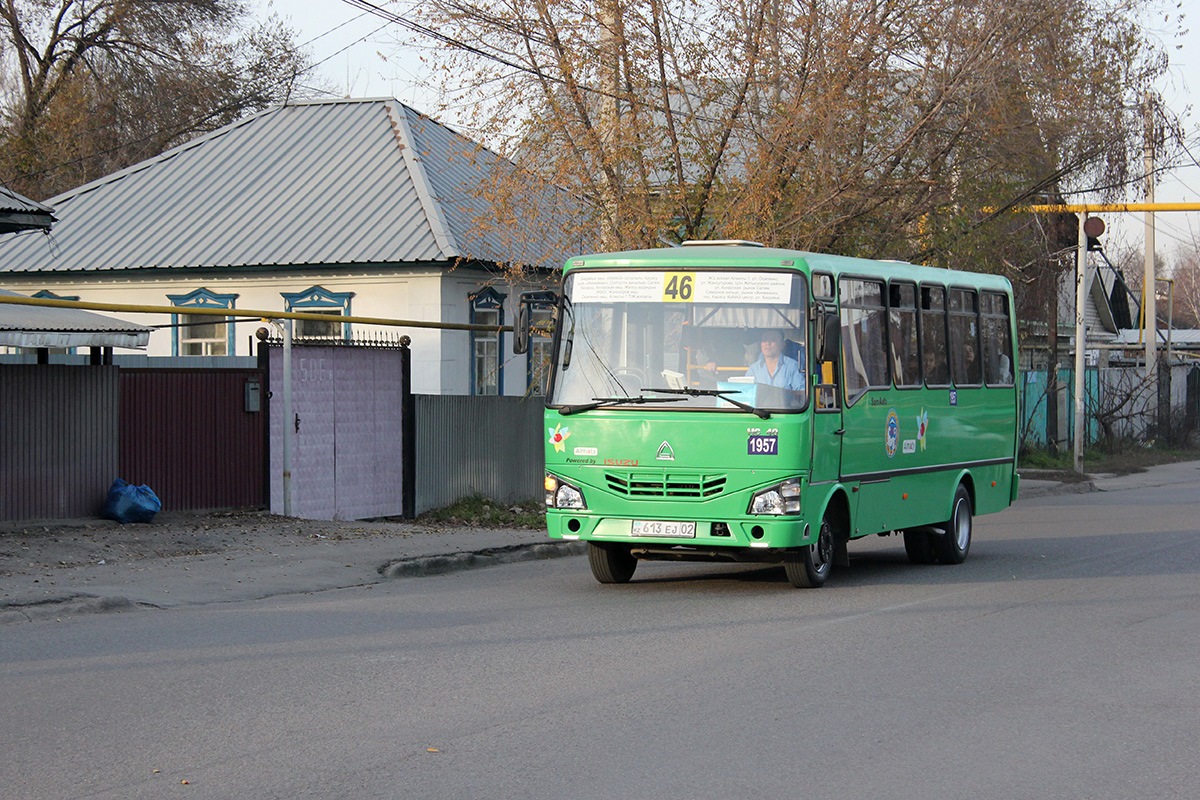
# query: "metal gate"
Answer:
x=348 y=431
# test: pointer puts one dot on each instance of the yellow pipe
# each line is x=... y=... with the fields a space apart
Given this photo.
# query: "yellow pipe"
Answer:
x=1083 y=208
x=248 y=313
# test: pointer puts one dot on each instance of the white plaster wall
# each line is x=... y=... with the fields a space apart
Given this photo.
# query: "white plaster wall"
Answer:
x=441 y=360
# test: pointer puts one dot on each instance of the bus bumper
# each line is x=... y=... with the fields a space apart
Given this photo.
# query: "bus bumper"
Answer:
x=757 y=533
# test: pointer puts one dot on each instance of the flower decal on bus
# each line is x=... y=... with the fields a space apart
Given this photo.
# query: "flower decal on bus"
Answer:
x=922 y=427
x=892 y=435
x=559 y=436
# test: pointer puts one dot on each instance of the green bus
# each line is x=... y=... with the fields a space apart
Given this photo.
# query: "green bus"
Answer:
x=728 y=401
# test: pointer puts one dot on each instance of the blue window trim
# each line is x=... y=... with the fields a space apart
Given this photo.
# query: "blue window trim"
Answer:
x=487 y=299
x=202 y=298
x=320 y=298
x=46 y=294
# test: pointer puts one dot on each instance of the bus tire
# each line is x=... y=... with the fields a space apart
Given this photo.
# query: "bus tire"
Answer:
x=951 y=547
x=611 y=563
x=808 y=567
x=918 y=544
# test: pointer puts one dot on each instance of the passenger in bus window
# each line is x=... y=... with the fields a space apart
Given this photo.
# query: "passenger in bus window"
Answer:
x=775 y=368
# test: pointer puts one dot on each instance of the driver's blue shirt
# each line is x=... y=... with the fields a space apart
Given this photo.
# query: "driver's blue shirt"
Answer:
x=787 y=373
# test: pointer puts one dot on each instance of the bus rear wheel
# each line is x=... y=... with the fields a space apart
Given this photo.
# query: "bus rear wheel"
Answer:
x=951 y=547
x=611 y=563
x=808 y=568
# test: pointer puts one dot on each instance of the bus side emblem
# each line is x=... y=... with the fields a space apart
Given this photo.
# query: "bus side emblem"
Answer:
x=665 y=453
x=892 y=436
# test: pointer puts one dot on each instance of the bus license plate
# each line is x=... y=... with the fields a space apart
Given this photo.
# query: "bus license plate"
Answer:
x=665 y=529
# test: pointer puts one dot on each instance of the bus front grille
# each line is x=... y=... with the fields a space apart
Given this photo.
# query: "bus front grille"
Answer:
x=652 y=484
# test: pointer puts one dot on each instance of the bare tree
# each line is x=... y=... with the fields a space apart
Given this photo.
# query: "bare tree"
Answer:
x=89 y=87
x=1186 y=274
x=876 y=127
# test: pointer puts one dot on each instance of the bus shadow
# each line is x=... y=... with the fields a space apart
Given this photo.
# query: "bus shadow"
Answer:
x=1125 y=555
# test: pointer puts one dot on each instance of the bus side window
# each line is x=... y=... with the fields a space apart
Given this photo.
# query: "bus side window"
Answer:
x=997 y=340
x=933 y=336
x=964 y=337
x=902 y=322
x=827 y=396
x=864 y=337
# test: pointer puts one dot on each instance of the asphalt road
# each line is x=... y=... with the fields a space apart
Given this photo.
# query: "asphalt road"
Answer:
x=1062 y=660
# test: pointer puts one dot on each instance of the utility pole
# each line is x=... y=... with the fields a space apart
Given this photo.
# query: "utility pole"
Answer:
x=1148 y=283
x=1080 y=336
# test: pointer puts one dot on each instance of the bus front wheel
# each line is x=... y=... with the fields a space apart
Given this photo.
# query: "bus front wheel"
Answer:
x=951 y=547
x=808 y=568
x=611 y=563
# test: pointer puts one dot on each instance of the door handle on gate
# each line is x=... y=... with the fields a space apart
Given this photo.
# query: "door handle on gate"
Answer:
x=839 y=432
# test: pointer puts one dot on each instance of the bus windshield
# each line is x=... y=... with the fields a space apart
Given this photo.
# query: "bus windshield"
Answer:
x=682 y=339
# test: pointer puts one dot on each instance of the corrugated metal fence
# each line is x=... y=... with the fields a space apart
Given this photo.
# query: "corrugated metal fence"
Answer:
x=190 y=435
x=487 y=446
x=67 y=431
x=58 y=440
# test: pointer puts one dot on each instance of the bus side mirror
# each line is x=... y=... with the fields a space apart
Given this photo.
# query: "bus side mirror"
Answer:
x=829 y=335
x=521 y=328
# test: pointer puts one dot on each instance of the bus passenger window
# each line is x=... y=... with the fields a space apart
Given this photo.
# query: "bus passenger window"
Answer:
x=902 y=325
x=997 y=340
x=864 y=335
x=964 y=338
x=933 y=336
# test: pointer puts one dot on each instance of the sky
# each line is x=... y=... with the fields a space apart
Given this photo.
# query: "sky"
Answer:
x=359 y=58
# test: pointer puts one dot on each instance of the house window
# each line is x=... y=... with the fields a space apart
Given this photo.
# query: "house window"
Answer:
x=319 y=300
x=202 y=334
x=487 y=308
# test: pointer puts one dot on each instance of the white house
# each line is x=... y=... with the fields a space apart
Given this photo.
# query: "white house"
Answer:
x=361 y=207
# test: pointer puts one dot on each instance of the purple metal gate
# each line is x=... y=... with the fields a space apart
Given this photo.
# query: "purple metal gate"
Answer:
x=348 y=431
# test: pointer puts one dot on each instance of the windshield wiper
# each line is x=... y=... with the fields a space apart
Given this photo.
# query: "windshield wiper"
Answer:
x=761 y=413
x=616 y=401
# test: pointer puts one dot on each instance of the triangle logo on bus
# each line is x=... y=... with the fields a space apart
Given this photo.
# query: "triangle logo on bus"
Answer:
x=665 y=453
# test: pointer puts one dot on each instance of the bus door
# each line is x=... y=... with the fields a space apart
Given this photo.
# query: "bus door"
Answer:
x=827 y=428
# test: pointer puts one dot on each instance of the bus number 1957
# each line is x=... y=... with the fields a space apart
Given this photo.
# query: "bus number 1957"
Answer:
x=762 y=446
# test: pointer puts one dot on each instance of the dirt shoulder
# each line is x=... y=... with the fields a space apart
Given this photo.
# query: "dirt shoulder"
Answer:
x=41 y=547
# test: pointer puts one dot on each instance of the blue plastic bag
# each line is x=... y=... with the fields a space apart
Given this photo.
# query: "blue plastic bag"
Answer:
x=129 y=503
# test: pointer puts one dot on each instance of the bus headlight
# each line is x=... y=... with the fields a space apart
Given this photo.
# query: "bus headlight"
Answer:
x=563 y=495
x=782 y=498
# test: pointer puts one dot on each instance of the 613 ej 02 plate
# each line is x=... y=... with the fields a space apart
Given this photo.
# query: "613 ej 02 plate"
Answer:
x=664 y=528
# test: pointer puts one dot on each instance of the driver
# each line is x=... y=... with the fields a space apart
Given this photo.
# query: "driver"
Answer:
x=773 y=367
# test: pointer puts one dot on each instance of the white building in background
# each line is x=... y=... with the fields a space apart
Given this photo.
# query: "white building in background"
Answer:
x=358 y=207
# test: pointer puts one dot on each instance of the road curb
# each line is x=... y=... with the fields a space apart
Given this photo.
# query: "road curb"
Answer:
x=422 y=566
x=53 y=607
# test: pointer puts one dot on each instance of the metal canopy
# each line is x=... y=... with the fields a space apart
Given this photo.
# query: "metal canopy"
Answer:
x=19 y=213
x=39 y=326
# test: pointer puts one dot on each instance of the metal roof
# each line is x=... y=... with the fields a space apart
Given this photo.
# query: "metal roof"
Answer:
x=41 y=326
x=327 y=182
x=19 y=213
x=1180 y=337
